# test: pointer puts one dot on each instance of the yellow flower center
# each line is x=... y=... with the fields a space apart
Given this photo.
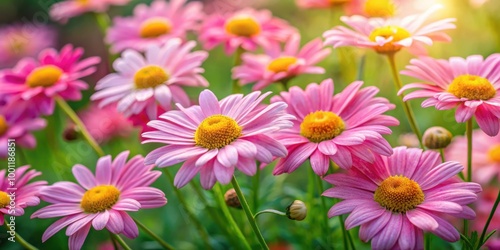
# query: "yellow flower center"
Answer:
x=217 y=131
x=243 y=26
x=399 y=194
x=4 y=199
x=150 y=77
x=17 y=44
x=397 y=34
x=472 y=87
x=100 y=198
x=338 y=2
x=494 y=153
x=44 y=76
x=3 y=125
x=155 y=27
x=321 y=126
x=379 y=8
x=281 y=64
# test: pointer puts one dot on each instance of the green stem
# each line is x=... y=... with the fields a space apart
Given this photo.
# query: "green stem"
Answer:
x=193 y=218
x=160 y=241
x=311 y=204
x=344 y=235
x=255 y=184
x=237 y=62
x=74 y=117
x=121 y=242
x=427 y=240
x=269 y=211
x=103 y=21
x=248 y=213
x=492 y=213
x=115 y=245
x=407 y=108
x=469 y=149
x=22 y=241
x=319 y=183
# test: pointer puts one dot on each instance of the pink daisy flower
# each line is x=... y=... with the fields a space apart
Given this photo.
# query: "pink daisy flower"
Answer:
x=17 y=128
x=65 y=10
x=485 y=155
x=155 y=24
x=342 y=127
x=388 y=36
x=101 y=201
x=142 y=82
x=23 y=40
x=472 y=85
x=216 y=137
x=247 y=28
x=279 y=65
x=17 y=187
x=32 y=84
x=397 y=198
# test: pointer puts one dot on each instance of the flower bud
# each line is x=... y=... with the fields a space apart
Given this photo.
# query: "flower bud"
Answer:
x=231 y=199
x=71 y=133
x=296 y=211
x=437 y=138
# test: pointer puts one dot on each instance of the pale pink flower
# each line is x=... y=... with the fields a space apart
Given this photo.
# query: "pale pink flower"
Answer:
x=17 y=128
x=216 y=137
x=397 y=198
x=339 y=127
x=154 y=24
x=101 y=201
x=248 y=29
x=349 y=6
x=16 y=193
x=143 y=81
x=277 y=65
x=67 y=9
x=472 y=85
x=388 y=36
x=485 y=155
x=32 y=85
x=23 y=40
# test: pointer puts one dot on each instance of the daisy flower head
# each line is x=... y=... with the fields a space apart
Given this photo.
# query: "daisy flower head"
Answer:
x=277 y=65
x=33 y=84
x=216 y=137
x=101 y=201
x=338 y=127
x=67 y=9
x=143 y=81
x=16 y=195
x=472 y=85
x=398 y=197
x=247 y=29
x=387 y=36
x=23 y=40
x=486 y=155
x=154 y=24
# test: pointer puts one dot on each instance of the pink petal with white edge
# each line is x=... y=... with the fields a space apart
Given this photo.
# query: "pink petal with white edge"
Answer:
x=115 y=223
x=422 y=219
x=84 y=176
x=362 y=214
x=186 y=173
x=319 y=163
x=100 y=220
x=389 y=235
x=222 y=173
x=76 y=240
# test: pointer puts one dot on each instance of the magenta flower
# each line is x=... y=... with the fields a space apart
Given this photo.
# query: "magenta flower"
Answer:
x=485 y=155
x=154 y=25
x=279 y=65
x=67 y=9
x=23 y=40
x=390 y=35
x=397 y=198
x=247 y=28
x=17 y=187
x=217 y=136
x=32 y=84
x=472 y=85
x=142 y=82
x=101 y=201
x=17 y=128
x=342 y=127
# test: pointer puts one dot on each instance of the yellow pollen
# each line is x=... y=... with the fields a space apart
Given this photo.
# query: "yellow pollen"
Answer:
x=100 y=198
x=399 y=194
x=4 y=199
x=44 y=76
x=472 y=87
x=3 y=125
x=155 y=27
x=243 y=26
x=379 y=8
x=281 y=64
x=338 y=2
x=494 y=153
x=321 y=126
x=150 y=77
x=397 y=34
x=217 y=131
